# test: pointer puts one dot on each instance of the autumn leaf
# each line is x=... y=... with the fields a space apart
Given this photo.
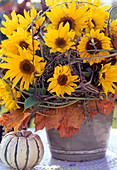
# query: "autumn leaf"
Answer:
x=47 y=121
x=74 y=115
x=71 y=114
x=68 y=120
x=15 y=120
x=100 y=107
x=39 y=122
x=114 y=96
x=65 y=130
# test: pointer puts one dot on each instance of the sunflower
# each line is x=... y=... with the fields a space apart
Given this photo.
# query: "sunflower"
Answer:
x=92 y=42
x=10 y=24
x=62 y=81
x=76 y=17
x=27 y=20
x=107 y=77
x=97 y=4
x=113 y=31
x=20 y=38
x=96 y=20
x=8 y=96
x=20 y=68
x=59 y=40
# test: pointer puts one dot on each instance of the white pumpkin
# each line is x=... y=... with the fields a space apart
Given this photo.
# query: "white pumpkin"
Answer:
x=21 y=150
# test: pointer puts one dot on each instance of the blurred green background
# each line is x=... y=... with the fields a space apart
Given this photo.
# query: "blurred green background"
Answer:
x=115 y=116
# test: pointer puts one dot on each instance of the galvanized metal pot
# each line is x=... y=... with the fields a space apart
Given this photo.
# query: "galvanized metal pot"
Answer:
x=89 y=143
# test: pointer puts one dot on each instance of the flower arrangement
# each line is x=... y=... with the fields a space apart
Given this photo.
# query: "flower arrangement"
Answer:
x=58 y=60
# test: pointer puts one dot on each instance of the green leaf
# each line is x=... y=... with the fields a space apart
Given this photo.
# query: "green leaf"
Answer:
x=29 y=102
x=42 y=91
x=31 y=90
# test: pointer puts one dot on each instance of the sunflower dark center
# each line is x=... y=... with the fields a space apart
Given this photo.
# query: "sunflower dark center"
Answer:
x=60 y=42
x=23 y=44
x=94 y=44
x=69 y=20
x=26 y=67
x=62 y=79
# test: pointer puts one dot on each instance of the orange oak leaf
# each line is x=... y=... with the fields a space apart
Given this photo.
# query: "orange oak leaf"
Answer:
x=71 y=114
x=48 y=121
x=65 y=130
x=15 y=120
x=68 y=120
x=100 y=107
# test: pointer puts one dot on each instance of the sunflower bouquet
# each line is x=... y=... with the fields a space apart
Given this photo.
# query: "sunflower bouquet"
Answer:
x=58 y=59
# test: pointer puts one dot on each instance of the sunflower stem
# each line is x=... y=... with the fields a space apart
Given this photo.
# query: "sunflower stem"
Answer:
x=19 y=102
x=12 y=93
x=75 y=99
x=34 y=20
x=46 y=114
x=87 y=58
x=53 y=107
x=33 y=46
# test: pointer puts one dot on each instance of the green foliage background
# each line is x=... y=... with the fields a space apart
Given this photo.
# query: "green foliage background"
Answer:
x=115 y=116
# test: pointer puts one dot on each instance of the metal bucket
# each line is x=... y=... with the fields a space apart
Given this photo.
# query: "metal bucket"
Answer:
x=90 y=143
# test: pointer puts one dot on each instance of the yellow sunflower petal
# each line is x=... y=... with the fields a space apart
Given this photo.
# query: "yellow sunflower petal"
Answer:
x=64 y=81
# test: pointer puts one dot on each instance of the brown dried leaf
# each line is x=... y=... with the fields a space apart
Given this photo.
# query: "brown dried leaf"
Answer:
x=65 y=130
x=68 y=119
x=102 y=107
x=15 y=120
